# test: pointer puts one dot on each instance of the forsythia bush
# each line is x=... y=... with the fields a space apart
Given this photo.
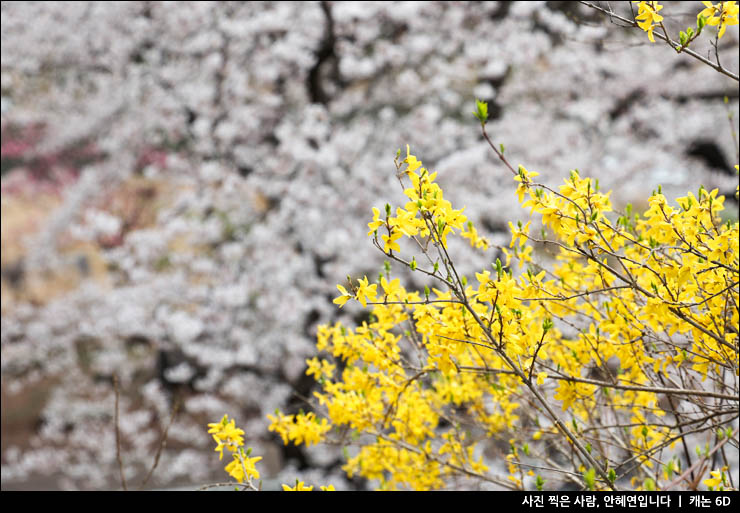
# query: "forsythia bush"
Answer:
x=615 y=365
x=597 y=371
x=594 y=371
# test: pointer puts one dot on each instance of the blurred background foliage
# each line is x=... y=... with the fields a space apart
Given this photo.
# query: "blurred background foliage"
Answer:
x=184 y=184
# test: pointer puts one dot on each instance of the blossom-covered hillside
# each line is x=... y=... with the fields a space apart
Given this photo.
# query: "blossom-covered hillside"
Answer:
x=183 y=185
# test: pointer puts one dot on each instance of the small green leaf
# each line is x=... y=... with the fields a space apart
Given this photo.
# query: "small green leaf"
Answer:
x=547 y=325
x=539 y=483
x=611 y=475
x=589 y=478
x=668 y=468
x=481 y=111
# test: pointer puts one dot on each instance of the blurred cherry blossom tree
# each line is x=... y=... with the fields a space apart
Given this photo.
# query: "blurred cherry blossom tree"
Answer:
x=264 y=133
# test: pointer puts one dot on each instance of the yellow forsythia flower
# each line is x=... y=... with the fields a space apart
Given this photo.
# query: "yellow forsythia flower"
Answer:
x=648 y=17
x=717 y=479
x=300 y=486
x=346 y=296
x=722 y=14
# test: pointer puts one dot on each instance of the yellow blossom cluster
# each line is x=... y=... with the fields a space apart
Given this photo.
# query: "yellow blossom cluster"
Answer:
x=720 y=15
x=300 y=486
x=228 y=436
x=648 y=17
x=242 y=467
x=302 y=428
x=718 y=481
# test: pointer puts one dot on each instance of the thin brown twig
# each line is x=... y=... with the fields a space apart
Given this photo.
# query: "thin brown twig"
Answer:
x=606 y=384
x=668 y=40
x=118 y=434
x=690 y=470
x=244 y=486
x=162 y=442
